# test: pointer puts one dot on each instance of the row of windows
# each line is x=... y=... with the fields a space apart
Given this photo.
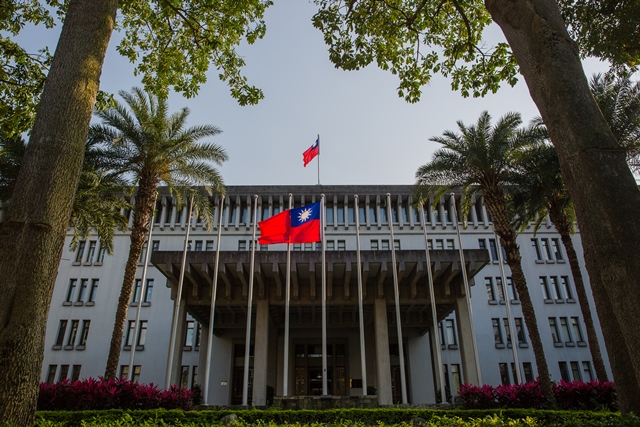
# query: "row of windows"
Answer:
x=556 y=289
x=566 y=332
x=80 y=293
x=124 y=372
x=63 y=374
x=547 y=250
x=332 y=245
x=506 y=379
x=491 y=290
x=191 y=341
x=73 y=339
x=87 y=254
x=185 y=373
x=503 y=324
x=577 y=374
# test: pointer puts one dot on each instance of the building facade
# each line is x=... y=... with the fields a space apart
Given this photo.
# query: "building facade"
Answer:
x=373 y=304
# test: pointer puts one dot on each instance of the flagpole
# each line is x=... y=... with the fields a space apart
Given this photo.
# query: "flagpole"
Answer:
x=214 y=292
x=247 y=346
x=285 y=384
x=363 y=364
x=324 y=303
x=318 y=159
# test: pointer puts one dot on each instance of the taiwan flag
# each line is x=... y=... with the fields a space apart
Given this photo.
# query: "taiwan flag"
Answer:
x=298 y=225
x=311 y=152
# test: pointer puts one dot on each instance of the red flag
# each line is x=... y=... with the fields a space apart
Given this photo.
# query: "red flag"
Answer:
x=311 y=152
x=299 y=225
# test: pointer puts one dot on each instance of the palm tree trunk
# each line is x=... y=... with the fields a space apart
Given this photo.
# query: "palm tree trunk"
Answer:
x=592 y=339
x=142 y=214
x=497 y=207
x=33 y=232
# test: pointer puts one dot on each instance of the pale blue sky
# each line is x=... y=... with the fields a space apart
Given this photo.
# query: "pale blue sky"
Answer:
x=368 y=134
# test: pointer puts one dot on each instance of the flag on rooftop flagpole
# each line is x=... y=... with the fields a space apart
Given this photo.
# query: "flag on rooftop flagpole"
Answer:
x=311 y=152
x=298 y=225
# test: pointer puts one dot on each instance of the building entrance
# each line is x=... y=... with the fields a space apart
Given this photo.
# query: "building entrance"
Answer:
x=308 y=369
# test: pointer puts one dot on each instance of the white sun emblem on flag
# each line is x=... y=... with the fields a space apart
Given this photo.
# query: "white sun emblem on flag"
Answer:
x=304 y=215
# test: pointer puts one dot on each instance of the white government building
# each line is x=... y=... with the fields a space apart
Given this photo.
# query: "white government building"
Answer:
x=363 y=325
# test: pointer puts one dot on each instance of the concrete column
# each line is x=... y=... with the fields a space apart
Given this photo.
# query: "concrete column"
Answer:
x=261 y=351
x=180 y=336
x=383 y=363
x=467 y=355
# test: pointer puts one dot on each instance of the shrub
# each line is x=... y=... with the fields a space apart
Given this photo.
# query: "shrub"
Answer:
x=110 y=394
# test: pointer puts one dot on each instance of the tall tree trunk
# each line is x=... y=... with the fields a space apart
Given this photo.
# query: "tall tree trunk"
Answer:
x=594 y=168
x=142 y=215
x=563 y=227
x=497 y=207
x=32 y=235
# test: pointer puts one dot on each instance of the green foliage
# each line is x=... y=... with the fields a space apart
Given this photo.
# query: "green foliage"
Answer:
x=400 y=417
x=415 y=39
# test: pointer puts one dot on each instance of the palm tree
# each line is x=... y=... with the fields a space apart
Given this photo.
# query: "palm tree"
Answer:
x=619 y=100
x=153 y=148
x=99 y=198
x=478 y=160
x=540 y=193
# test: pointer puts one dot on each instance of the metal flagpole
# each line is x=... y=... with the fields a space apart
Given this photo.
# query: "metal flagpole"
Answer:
x=285 y=383
x=510 y=321
x=214 y=293
x=318 y=159
x=396 y=291
x=360 y=309
x=324 y=303
x=143 y=289
x=176 y=306
x=467 y=288
x=245 y=386
x=434 y=314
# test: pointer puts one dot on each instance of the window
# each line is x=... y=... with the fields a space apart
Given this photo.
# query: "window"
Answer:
x=135 y=298
x=394 y=214
x=556 y=288
x=85 y=333
x=143 y=253
x=443 y=339
x=564 y=326
x=575 y=371
x=511 y=288
x=504 y=373
x=383 y=213
x=155 y=246
x=209 y=245
x=450 y=244
x=189 y=335
x=385 y=245
x=72 y=333
x=184 y=376
x=507 y=330
x=455 y=379
x=528 y=372
x=308 y=246
x=265 y=211
x=577 y=333
x=403 y=213
x=242 y=245
x=555 y=244
x=328 y=216
x=519 y=324
x=372 y=214
x=124 y=372
x=439 y=244
x=142 y=333
x=198 y=245
x=500 y=288
x=71 y=291
x=64 y=372
x=194 y=376
x=101 y=253
x=198 y=334
x=80 y=251
x=497 y=332
x=396 y=245
x=554 y=331
x=488 y=282
x=297 y=247
x=536 y=249
x=564 y=372
x=93 y=291
x=91 y=252
x=83 y=290
x=340 y=213
x=493 y=250
x=148 y=292
x=62 y=329
x=341 y=245
x=51 y=374
x=545 y=289
x=361 y=215
x=566 y=287
x=331 y=245
x=546 y=249
x=451 y=333
x=586 y=369
x=482 y=244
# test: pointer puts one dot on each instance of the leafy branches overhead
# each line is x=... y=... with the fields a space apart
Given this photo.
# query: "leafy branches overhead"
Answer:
x=415 y=39
x=173 y=42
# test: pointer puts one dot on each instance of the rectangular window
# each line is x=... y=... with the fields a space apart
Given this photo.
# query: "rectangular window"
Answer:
x=242 y=245
x=575 y=371
x=513 y=294
x=586 y=370
x=135 y=298
x=361 y=215
x=372 y=214
x=488 y=282
x=385 y=245
x=209 y=245
x=148 y=291
x=507 y=330
x=536 y=249
x=500 y=288
x=143 y=253
x=155 y=246
x=91 y=252
x=265 y=211
x=341 y=245
x=328 y=216
x=556 y=287
x=71 y=291
x=331 y=245
x=439 y=244
x=80 y=251
x=497 y=332
x=482 y=244
x=451 y=332
x=85 y=333
x=577 y=332
x=403 y=213
x=124 y=372
x=519 y=324
x=556 y=249
x=493 y=250
x=64 y=372
x=504 y=373
x=394 y=214
x=93 y=291
x=184 y=376
x=564 y=327
x=545 y=288
x=546 y=249
x=83 y=289
x=51 y=374
x=340 y=213
x=455 y=379
x=73 y=332
x=62 y=329
x=396 y=245
x=297 y=247
x=198 y=245
x=450 y=244
x=566 y=287
x=142 y=334
x=194 y=376
x=198 y=334
x=101 y=253
x=443 y=339
x=383 y=213
x=129 y=340
x=528 y=372
x=189 y=335
x=564 y=372
x=308 y=246
x=555 y=334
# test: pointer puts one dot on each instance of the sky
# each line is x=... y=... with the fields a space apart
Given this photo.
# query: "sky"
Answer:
x=368 y=135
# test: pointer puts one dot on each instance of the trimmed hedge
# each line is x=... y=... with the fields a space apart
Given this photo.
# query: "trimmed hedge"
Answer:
x=386 y=416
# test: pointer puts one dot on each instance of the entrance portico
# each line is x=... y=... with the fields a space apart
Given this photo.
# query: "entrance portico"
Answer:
x=344 y=368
